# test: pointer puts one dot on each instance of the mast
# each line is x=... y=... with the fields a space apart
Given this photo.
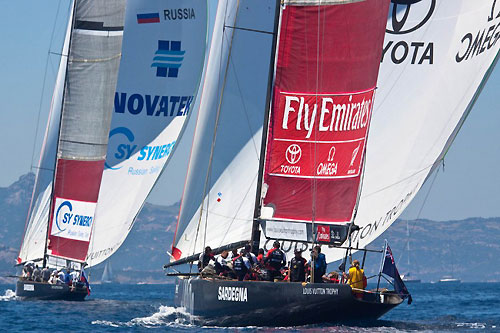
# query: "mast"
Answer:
x=52 y=203
x=255 y=238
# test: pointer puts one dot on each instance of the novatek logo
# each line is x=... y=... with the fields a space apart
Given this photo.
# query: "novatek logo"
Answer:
x=323 y=233
x=293 y=154
x=406 y=16
x=168 y=58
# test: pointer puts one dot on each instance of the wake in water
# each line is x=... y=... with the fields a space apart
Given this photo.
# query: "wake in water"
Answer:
x=167 y=316
x=9 y=295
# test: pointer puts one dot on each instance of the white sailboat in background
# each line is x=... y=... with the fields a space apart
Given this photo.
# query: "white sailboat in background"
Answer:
x=82 y=212
x=408 y=278
x=107 y=275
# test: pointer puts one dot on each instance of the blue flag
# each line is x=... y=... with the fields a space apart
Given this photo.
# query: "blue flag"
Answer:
x=390 y=269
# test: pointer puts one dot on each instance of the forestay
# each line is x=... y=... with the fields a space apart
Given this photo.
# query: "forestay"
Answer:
x=163 y=54
x=219 y=196
x=437 y=56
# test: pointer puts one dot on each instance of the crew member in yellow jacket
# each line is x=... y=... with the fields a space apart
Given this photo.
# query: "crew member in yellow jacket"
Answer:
x=356 y=278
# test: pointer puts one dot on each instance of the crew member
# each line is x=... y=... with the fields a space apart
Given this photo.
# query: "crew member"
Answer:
x=275 y=259
x=319 y=260
x=205 y=258
x=250 y=256
x=298 y=267
x=221 y=267
x=355 y=278
x=241 y=266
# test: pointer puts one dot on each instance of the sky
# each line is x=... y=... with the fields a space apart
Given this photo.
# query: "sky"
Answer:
x=468 y=186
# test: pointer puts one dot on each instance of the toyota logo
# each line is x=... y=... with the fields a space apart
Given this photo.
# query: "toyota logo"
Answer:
x=403 y=13
x=293 y=154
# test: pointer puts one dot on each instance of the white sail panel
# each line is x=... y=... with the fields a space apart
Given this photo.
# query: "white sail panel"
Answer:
x=33 y=245
x=434 y=63
x=162 y=61
x=223 y=168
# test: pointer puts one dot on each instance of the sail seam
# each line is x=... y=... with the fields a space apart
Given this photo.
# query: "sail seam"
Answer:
x=96 y=60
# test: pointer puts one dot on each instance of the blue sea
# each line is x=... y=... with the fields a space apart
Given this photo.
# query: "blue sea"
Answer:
x=465 y=307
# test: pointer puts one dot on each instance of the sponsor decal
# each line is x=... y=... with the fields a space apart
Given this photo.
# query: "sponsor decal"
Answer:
x=179 y=14
x=286 y=230
x=405 y=17
x=168 y=58
x=233 y=294
x=148 y=18
x=152 y=105
x=320 y=291
x=476 y=43
x=219 y=197
x=29 y=287
x=336 y=125
x=73 y=219
x=323 y=233
x=121 y=147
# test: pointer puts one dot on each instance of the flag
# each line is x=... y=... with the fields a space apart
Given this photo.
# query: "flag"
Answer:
x=86 y=281
x=148 y=18
x=390 y=269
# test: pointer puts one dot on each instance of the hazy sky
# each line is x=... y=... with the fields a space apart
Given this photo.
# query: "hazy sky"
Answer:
x=468 y=187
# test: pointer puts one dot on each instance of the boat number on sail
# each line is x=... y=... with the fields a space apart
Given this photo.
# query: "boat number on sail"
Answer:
x=319 y=136
x=233 y=294
x=320 y=291
x=73 y=219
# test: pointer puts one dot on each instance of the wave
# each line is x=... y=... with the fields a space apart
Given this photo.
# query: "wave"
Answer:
x=166 y=316
x=9 y=295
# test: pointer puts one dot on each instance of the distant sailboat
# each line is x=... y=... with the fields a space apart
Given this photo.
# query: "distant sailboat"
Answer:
x=408 y=278
x=107 y=275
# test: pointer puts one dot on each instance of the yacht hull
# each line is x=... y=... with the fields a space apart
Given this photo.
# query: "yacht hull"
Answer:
x=47 y=291
x=259 y=303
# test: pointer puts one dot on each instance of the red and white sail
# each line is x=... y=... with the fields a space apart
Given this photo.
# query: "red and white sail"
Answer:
x=327 y=66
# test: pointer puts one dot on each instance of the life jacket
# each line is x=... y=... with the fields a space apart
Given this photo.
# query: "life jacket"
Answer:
x=252 y=259
x=297 y=269
x=239 y=265
x=276 y=259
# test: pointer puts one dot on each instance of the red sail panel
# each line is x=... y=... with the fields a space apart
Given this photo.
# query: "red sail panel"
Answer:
x=72 y=215
x=327 y=66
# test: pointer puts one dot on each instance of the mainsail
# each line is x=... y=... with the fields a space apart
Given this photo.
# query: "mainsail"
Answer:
x=437 y=56
x=218 y=205
x=83 y=99
x=163 y=54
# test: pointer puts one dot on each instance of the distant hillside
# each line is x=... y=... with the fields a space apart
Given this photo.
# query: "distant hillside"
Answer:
x=469 y=248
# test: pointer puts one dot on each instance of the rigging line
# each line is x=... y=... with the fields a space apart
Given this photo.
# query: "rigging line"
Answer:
x=212 y=148
x=248 y=29
x=43 y=84
x=420 y=210
x=399 y=181
x=239 y=207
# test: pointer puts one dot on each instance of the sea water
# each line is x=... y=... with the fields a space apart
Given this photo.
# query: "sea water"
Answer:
x=464 y=307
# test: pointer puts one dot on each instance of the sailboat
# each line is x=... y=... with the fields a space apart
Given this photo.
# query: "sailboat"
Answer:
x=243 y=182
x=408 y=278
x=125 y=86
x=280 y=141
x=107 y=274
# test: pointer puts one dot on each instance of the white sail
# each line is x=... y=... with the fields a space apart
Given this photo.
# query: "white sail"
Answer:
x=33 y=245
x=162 y=61
x=434 y=65
x=223 y=181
